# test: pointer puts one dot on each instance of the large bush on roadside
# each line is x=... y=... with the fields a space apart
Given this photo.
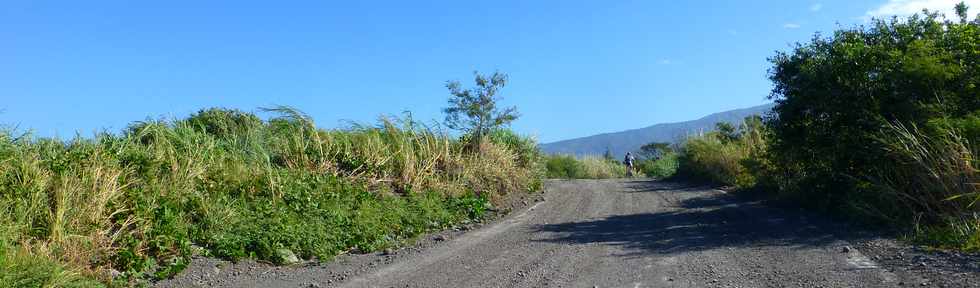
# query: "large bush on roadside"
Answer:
x=839 y=99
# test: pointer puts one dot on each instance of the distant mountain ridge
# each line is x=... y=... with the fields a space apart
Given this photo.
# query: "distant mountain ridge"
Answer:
x=630 y=140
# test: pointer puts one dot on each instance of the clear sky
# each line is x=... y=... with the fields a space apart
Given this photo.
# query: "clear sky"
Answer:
x=576 y=67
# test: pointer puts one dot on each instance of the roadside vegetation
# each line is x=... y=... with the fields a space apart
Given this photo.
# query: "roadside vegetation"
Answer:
x=657 y=160
x=662 y=167
x=729 y=156
x=587 y=167
x=881 y=123
x=118 y=209
x=654 y=160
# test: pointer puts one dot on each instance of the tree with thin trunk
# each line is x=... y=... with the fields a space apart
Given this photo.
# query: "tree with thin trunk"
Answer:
x=474 y=111
x=655 y=150
x=961 y=10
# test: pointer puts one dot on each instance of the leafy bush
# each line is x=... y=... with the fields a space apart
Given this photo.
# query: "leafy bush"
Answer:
x=835 y=95
x=563 y=167
x=878 y=121
x=663 y=167
x=223 y=123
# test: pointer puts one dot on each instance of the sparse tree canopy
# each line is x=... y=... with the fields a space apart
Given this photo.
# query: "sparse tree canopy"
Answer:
x=654 y=150
x=961 y=10
x=474 y=111
x=726 y=131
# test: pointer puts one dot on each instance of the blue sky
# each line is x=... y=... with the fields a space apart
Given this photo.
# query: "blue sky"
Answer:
x=577 y=67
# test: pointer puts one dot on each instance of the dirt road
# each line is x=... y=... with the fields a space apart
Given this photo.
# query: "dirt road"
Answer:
x=617 y=233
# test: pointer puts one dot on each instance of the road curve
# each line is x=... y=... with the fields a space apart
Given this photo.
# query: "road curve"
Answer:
x=621 y=233
x=618 y=233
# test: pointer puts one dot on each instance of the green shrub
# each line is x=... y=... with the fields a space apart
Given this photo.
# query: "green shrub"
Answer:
x=563 y=167
x=881 y=121
x=711 y=159
x=836 y=94
x=589 y=167
x=224 y=123
x=728 y=157
x=661 y=168
x=526 y=148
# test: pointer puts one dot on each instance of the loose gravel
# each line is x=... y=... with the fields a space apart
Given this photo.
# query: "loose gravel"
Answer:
x=623 y=233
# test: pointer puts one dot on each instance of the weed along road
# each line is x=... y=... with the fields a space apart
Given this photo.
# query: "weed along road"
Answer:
x=610 y=233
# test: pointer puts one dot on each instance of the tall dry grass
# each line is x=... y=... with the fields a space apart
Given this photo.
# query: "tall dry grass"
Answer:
x=136 y=203
x=596 y=167
x=587 y=167
x=934 y=177
x=731 y=160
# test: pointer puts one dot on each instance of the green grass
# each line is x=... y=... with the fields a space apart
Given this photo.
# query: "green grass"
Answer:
x=660 y=168
x=72 y=212
x=588 y=167
x=21 y=268
x=955 y=233
x=726 y=159
x=934 y=179
x=711 y=159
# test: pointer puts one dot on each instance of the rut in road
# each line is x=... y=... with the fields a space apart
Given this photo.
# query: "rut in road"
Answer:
x=616 y=233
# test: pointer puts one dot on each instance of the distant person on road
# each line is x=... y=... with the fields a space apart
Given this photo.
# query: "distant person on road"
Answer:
x=628 y=161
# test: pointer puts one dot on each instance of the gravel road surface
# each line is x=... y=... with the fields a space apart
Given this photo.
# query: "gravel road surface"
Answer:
x=623 y=233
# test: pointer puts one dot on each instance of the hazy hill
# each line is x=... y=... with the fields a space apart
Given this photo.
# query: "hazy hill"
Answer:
x=631 y=140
